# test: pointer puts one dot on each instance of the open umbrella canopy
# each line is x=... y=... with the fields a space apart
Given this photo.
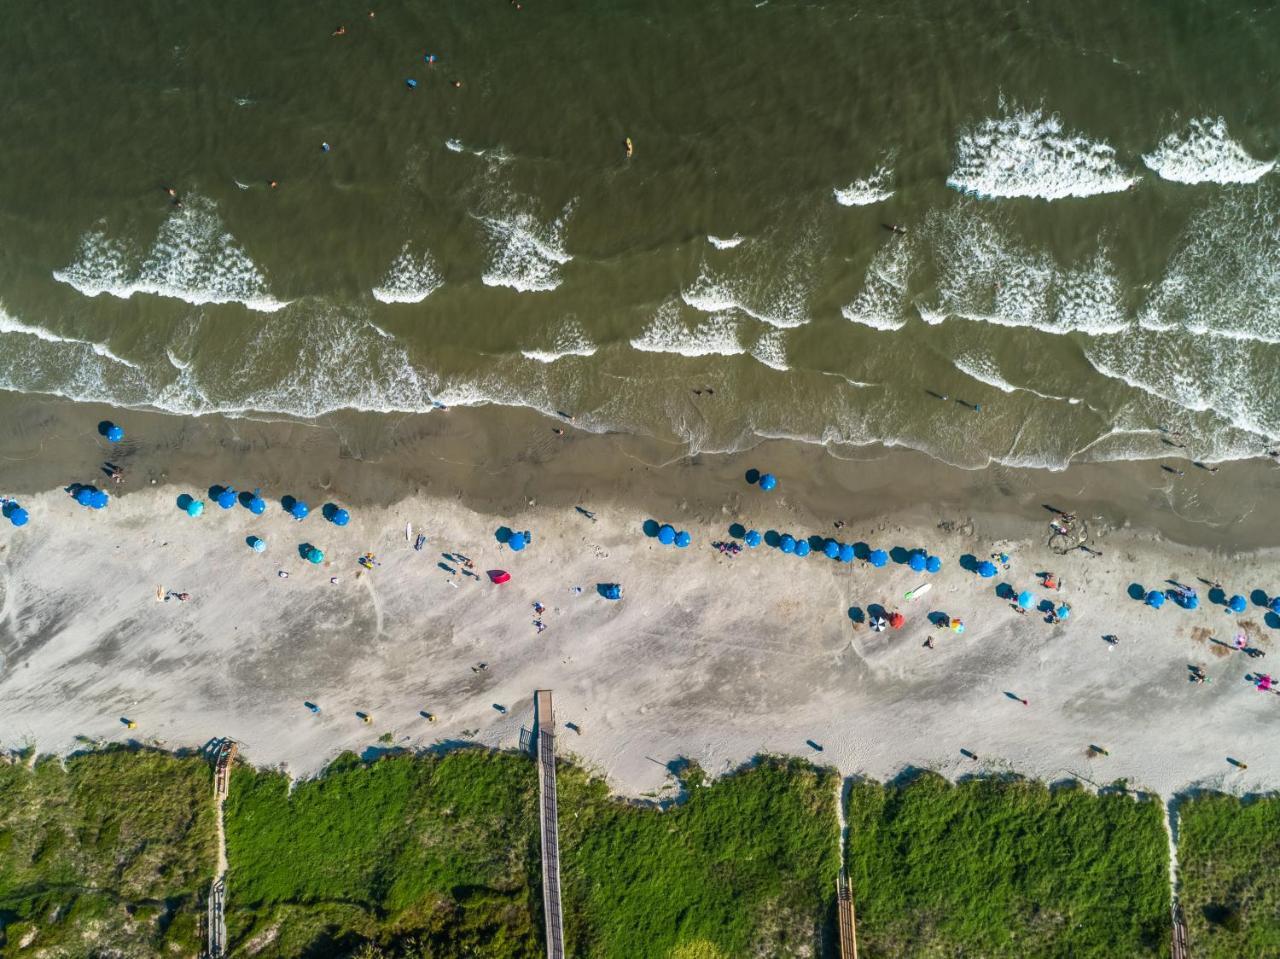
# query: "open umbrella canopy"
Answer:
x=832 y=549
x=666 y=534
x=499 y=576
x=878 y=624
x=17 y=515
x=768 y=481
x=195 y=507
x=1025 y=599
x=1237 y=604
x=1155 y=599
x=917 y=561
x=1274 y=605
x=115 y=434
x=683 y=539
x=299 y=509
x=226 y=497
x=897 y=620
x=1191 y=601
x=341 y=517
x=787 y=544
x=257 y=544
x=1064 y=611
x=878 y=558
x=315 y=555
x=752 y=538
x=610 y=590
x=802 y=547
x=986 y=569
x=846 y=552
x=256 y=505
x=518 y=542
x=933 y=564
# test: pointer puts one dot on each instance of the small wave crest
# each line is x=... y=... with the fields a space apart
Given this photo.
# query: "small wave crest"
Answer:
x=873 y=189
x=718 y=335
x=193 y=258
x=882 y=302
x=524 y=253
x=1028 y=153
x=1204 y=153
x=411 y=278
x=725 y=242
x=570 y=340
x=9 y=325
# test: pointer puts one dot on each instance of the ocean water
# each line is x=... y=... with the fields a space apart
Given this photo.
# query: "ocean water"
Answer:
x=1087 y=246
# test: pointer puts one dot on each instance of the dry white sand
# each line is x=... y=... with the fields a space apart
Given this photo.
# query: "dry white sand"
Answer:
x=709 y=658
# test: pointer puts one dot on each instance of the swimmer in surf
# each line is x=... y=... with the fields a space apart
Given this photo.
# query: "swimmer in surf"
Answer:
x=629 y=147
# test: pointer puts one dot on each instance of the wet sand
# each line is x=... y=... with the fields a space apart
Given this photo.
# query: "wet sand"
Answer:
x=706 y=657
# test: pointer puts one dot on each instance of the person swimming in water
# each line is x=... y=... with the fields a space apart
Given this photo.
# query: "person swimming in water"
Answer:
x=629 y=147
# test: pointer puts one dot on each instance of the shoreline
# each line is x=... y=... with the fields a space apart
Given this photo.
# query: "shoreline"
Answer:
x=710 y=658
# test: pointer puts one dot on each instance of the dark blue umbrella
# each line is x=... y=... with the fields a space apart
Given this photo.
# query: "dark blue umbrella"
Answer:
x=878 y=558
x=787 y=544
x=340 y=517
x=227 y=497
x=517 y=542
x=802 y=547
x=1237 y=604
x=1274 y=605
x=683 y=539
x=768 y=481
x=1025 y=599
x=933 y=564
x=752 y=538
x=1155 y=599
x=846 y=552
x=986 y=569
x=917 y=561
x=832 y=549
x=666 y=534
x=299 y=510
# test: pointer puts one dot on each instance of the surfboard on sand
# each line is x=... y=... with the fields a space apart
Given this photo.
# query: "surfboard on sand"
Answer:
x=918 y=591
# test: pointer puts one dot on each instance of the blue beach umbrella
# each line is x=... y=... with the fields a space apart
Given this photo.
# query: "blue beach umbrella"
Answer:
x=666 y=534
x=1155 y=599
x=787 y=544
x=517 y=542
x=1192 y=601
x=299 y=510
x=878 y=558
x=802 y=547
x=752 y=538
x=917 y=561
x=195 y=507
x=315 y=555
x=1025 y=599
x=832 y=549
x=1274 y=605
x=256 y=505
x=115 y=434
x=986 y=569
x=17 y=515
x=1237 y=604
x=84 y=495
x=933 y=564
x=226 y=497
x=257 y=544
x=341 y=517
x=768 y=481
x=1064 y=612
x=846 y=552
x=683 y=539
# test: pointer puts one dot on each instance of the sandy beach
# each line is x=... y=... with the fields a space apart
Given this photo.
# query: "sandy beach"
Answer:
x=707 y=657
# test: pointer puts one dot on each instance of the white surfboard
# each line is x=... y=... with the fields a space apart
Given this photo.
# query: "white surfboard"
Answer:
x=918 y=591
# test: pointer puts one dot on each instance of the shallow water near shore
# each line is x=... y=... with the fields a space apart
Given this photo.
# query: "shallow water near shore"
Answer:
x=1092 y=223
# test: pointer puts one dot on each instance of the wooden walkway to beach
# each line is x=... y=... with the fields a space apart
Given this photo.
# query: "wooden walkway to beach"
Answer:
x=224 y=754
x=844 y=912
x=1180 y=948
x=550 y=824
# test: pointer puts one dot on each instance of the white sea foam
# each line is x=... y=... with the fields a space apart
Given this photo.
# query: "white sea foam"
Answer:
x=1223 y=279
x=193 y=258
x=769 y=283
x=984 y=369
x=411 y=278
x=9 y=325
x=725 y=242
x=873 y=189
x=771 y=350
x=455 y=145
x=882 y=302
x=1203 y=153
x=985 y=275
x=524 y=253
x=1026 y=153
x=719 y=334
x=570 y=340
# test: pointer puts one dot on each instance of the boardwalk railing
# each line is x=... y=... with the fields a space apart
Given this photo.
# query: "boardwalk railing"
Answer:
x=844 y=912
x=550 y=825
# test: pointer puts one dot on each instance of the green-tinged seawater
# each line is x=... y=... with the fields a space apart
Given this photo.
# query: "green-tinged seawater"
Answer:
x=1092 y=226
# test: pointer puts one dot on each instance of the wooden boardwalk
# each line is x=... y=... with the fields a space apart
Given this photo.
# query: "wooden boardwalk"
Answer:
x=546 y=734
x=844 y=912
x=1180 y=947
x=224 y=755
